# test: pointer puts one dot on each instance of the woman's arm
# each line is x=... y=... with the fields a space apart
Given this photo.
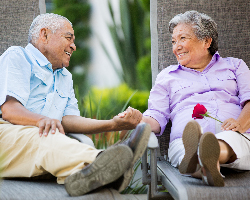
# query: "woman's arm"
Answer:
x=242 y=123
x=155 y=126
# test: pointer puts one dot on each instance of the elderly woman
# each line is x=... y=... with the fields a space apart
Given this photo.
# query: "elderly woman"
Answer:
x=220 y=84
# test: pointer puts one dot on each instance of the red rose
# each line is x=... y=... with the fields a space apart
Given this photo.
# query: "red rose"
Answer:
x=199 y=111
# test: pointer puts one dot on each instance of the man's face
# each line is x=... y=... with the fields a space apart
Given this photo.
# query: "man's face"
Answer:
x=60 y=46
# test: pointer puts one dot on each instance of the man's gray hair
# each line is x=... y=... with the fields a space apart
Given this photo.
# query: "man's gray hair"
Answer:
x=49 y=20
x=203 y=25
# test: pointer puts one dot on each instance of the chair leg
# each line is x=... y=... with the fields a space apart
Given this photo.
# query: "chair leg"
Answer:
x=151 y=179
x=146 y=179
x=153 y=191
x=167 y=196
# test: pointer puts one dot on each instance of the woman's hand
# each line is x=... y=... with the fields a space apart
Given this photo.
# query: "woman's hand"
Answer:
x=231 y=125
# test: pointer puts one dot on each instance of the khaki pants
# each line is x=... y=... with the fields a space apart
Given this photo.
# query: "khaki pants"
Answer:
x=24 y=153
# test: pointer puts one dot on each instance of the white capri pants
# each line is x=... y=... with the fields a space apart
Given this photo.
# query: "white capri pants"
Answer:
x=23 y=153
x=239 y=144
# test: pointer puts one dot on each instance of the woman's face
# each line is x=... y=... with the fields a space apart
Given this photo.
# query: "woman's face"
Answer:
x=189 y=51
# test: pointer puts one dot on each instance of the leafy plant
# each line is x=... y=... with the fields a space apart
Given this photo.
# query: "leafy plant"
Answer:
x=78 y=12
x=93 y=105
x=129 y=38
x=112 y=101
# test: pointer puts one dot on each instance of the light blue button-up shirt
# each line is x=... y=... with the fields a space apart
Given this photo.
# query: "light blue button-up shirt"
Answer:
x=222 y=87
x=27 y=75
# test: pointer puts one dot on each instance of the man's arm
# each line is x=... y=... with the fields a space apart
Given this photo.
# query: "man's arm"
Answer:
x=14 y=112
x=77 y=124
x=242 y=123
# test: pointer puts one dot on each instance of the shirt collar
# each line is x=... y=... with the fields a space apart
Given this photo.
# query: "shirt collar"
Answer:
x=42 y=60
x=215 y=58
x=63 y=71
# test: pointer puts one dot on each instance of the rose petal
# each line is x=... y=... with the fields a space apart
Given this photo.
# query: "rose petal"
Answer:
x=198 y=110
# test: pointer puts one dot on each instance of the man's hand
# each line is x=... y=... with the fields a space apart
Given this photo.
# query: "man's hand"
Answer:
x=128 y=119
x=231 y=125
x=14 y=112
x=46 y=124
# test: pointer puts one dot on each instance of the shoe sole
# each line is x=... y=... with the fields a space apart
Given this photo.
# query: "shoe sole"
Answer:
x=140 y=149
x=108 y=167
x=191 y=137
x=209 y=152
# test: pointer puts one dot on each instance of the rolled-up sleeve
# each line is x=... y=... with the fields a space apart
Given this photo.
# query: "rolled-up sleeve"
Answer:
x=158 y=103
x=243 y=83
x=15 y=76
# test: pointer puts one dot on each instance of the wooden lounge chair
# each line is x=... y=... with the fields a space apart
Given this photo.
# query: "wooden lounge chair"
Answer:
x=234 y=36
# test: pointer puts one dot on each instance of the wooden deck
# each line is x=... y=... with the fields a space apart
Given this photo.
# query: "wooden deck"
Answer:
x=17 y=189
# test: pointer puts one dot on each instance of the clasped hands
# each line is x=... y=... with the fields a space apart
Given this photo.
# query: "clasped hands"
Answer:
x=123 y=121
x=128 y=119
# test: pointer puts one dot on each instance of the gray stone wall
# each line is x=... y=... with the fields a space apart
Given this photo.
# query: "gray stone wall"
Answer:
x=15 y=19
x=231 y=16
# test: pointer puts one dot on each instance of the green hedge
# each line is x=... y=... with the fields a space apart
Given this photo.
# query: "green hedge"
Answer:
x=108 y=102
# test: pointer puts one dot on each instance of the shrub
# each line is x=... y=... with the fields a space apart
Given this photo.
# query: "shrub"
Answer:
x=108 y=102
x=105 y=104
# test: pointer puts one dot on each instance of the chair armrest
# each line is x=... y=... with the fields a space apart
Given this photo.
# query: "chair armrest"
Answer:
x=145 y=167
x=81 y=138
x=153 y=141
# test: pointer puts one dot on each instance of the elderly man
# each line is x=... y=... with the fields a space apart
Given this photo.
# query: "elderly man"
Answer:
x=38 y=107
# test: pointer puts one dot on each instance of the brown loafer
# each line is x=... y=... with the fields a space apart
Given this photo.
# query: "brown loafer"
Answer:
x=137 y=141
x=209 y=152
x=191 y=138
x=106 y=168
